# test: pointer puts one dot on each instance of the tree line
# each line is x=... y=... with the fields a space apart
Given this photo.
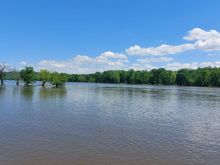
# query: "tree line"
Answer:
x=183 y=77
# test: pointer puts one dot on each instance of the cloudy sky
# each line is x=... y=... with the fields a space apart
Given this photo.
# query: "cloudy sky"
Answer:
x=84 y=36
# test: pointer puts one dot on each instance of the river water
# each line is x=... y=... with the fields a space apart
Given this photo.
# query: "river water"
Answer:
x=87 y=123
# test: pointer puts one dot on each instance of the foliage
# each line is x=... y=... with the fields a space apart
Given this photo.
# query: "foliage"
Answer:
x=16 y=76
x=28 y=75
x=183 y=77
x=58 y=79
x=44 y=76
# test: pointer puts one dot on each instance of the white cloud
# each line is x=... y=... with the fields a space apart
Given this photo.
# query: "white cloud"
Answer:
x=200 y=34
x=24 y=63
x=52 y=64
x=197 y=39
x=155 y=60
x=160 y=50
x=213 y=55
x=177 y=66
x=108 y=57
x=212 y=44
x=110 y=54
x=203 y=40
x=85 y=64
x=138 y=66
x=82 y=59
x=73 y=66
x=194 y=65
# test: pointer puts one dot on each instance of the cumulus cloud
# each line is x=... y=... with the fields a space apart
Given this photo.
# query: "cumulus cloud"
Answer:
x=160 y=50
x=85 y=64
x=80 y=59
x=155 y=60
x=72 y=66
x=24 y=63
x=202 y=40
x=110 y=54
x=200 y=34
x=213 y=54
x=194 y=65
x=196 y=39
x=138 y=66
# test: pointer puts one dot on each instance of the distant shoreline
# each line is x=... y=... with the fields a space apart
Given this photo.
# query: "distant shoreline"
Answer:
x=156 y=85
x=201 y=77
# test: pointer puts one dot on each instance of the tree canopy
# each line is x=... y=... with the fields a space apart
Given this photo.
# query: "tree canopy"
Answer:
x=28 y=75
x=183 y=77
x=58 y=79
x=44 y=76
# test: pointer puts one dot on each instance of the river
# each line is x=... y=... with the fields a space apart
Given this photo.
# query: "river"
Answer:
x=86 y=123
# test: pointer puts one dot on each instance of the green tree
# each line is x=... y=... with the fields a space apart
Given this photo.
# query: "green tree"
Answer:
x=202 y=77
x=145 y=77
x=122 y=74
x=44 y=76
x=115 y=77
x=82 y=78
x=73 y=78
x=130 y=77
x=58 y=79
x=138 y=77
x=16 y=76
x=111 y=77
x=28 y=75
x=98 y=77
x=215 y=77
x=157 y=75
x=167 y=77
x=91 y=78
x=185 y=77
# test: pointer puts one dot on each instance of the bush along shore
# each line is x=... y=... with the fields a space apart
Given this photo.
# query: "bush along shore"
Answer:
x=205 y=77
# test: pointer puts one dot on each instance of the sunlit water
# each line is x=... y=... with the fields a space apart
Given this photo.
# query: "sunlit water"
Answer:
x=109 y=124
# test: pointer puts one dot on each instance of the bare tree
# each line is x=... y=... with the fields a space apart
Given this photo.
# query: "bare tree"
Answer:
x=3 y=68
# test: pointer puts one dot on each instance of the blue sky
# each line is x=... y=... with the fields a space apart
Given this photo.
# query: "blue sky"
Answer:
x=82 y=36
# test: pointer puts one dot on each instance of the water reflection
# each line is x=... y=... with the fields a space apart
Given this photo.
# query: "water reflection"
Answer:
x=15 y=90
x=2 y=89
x=48 y=93
x=109 y=124
x=27 y=92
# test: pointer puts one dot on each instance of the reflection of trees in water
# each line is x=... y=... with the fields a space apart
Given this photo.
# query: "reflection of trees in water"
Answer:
x=16 y=90
x=46 y=93
x=2 y=89
x=27 y=92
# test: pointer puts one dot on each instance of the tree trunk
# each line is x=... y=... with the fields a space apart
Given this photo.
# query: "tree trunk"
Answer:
x=2 y=82
x=43 y=83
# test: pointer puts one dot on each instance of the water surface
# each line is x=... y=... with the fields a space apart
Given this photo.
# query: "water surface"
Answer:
x=109 y=124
